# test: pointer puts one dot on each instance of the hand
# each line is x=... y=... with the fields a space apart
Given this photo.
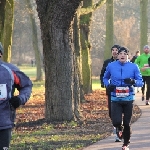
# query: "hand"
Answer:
x=15 y=101
x=143 y=69
x=111 y=87
x=129 y=81
x=102 y=85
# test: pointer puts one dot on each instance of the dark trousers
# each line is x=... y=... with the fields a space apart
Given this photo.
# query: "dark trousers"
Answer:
x=109 y=104
x=119 y=110
x=5 y=137
x=146 y=80
x=108 y=93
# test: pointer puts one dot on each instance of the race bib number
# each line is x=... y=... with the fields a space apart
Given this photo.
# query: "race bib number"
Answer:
x=3 y=92
x=122 y=91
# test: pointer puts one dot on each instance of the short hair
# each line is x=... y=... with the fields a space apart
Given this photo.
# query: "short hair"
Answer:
x=124 y=49
x=115 y=46
x=146 y=46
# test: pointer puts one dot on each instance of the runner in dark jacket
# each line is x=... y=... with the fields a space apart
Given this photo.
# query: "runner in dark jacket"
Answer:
x=114 y=51
x=10 y=78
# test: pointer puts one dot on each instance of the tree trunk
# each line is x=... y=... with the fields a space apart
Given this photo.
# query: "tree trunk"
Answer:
x=109 y=29
x=143 y=24
x=60 y=75
x=2 y=18
x=78 y=60
x=38 y=59
x=8 y=28
x=85 y=21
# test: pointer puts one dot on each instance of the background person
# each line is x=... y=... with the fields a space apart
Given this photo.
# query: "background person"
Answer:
x=142 y=62
x=11 y=76
x=114 y=52
x=123 y=75
x=137 y=53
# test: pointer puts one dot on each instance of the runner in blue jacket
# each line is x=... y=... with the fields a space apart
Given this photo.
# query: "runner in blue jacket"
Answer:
x=123 y=75
x=10 y=78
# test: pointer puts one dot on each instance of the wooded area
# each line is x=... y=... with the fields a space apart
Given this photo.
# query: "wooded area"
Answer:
x=73 y=47
x=68 y=42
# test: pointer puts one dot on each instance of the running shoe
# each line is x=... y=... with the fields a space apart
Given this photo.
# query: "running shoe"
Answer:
x=117 y=139
x=142 y=98
x=147 y=103
x=125 y=147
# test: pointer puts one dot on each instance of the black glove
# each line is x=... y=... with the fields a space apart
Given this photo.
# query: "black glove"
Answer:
x=15 y=101
x=102 y=85
x=111 y=87
x=149 y=61
x=129 y=81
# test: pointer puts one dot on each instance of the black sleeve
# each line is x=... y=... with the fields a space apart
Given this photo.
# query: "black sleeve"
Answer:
x=103 y=71
x=133 y=59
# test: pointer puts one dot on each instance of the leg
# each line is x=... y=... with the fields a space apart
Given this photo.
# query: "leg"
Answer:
x=127 y=109
x=143 y=87
x=5 y=137
x=109 y=104
x=148 y=89
x=117 y=139
x=116 y=115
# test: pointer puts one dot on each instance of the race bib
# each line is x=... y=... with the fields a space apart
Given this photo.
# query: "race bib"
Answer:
x=146 y=65
x=122 y=91
x=3 y=92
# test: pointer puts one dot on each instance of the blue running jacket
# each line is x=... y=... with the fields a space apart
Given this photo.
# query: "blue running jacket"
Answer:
x=116 y=72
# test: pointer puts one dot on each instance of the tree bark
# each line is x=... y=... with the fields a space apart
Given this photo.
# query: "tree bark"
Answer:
x=143 y=24
x=109 y=29
x=60 y=81
x=2 y=18
x=85 y=20
x=8 y=28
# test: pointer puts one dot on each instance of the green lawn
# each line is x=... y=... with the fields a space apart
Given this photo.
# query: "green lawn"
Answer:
x=31 y=72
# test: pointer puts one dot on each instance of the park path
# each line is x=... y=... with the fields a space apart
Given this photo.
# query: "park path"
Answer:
x=140 y=138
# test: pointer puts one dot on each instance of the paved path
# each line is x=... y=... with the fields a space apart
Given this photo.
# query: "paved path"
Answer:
x=140 y=138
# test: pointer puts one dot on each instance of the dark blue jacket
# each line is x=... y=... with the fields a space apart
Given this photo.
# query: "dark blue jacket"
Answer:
x=13 y=78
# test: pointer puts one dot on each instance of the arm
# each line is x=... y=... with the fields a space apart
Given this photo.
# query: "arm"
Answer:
x=137 y=61
x=102 y=72
x=23 y=85
x=138 y=77
x=106 y=77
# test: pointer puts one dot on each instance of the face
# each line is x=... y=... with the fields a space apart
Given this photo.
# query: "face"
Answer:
x=114 y=52
x=146 y=50
x=138 y=54
x=123 y=57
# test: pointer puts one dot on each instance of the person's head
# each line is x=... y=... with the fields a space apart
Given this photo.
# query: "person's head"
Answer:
x=146 y=49
x=137 y=53
x=1 y=50
x=114 y=51
x=123 y=53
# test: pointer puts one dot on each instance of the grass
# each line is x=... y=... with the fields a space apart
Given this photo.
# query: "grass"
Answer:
x=96 y=84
